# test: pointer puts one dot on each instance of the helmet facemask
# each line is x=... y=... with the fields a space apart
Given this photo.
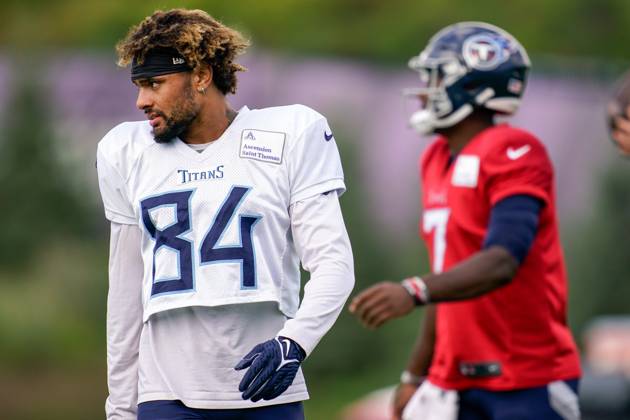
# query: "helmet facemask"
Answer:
x=436 y=76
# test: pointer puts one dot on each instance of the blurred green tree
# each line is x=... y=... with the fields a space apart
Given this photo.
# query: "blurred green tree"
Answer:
x=599 y=252
x=37 y=203
x=378 y=30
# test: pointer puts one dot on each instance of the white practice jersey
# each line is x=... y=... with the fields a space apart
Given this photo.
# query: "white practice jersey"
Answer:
x=216 y=225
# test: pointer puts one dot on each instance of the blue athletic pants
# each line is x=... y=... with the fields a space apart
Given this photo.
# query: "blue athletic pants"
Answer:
x=176 y=410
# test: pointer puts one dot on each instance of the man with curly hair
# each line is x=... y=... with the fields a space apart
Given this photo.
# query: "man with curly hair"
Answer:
x=211 y=212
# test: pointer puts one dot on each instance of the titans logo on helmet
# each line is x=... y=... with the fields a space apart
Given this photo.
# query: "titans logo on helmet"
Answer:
x=484 y=52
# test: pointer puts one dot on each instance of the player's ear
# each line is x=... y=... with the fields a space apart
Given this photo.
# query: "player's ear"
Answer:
x=202 y=78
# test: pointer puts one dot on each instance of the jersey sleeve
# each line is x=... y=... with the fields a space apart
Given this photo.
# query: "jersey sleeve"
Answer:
x=323 y=246
x=124 y=321
x=518 y=166
x=113 y=189
x=314 y=164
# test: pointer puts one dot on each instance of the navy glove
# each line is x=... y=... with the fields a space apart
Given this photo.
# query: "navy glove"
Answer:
x=272 y=368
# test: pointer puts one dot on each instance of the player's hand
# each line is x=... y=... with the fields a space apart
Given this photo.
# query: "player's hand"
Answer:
x=272 y=368
x=380 y=303
x=402 y=395
x=621 y=132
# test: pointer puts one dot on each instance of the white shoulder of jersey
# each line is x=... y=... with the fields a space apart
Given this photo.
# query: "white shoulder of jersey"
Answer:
x=294 y=120
x=300 y=116
x=116 y=157
x=124 y=144
x=312 y=157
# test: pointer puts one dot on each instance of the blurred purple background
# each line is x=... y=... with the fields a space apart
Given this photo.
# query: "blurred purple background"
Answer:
x=363 y=102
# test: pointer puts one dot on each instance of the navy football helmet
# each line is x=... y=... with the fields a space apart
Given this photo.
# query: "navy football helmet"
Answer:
x=465 y=66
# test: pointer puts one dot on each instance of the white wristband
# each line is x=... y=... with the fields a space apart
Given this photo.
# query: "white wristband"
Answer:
x=409 y=378
x=417 y=288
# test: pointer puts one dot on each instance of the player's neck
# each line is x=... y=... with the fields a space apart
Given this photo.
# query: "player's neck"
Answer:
x=461 y=134
x=214 y=118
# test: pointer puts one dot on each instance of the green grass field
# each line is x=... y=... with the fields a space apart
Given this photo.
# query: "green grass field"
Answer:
x=52 y=350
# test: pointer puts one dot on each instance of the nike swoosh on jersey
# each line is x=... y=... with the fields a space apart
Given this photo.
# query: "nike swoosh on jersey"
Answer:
x=328 y=137
x=514 y=154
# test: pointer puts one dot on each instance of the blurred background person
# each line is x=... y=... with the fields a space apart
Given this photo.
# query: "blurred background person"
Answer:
x=495 y=344
x=619 y=115
x=60 y=92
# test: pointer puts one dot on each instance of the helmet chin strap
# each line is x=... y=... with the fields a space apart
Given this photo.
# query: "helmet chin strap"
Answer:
x=425 y=121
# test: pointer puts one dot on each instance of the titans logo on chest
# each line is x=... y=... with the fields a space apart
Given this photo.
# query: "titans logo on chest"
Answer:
x=185 y=176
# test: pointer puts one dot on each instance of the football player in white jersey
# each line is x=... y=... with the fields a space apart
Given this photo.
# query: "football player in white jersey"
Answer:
x=211 y=212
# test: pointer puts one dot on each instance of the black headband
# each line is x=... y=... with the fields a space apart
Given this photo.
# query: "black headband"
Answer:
x=157 y=62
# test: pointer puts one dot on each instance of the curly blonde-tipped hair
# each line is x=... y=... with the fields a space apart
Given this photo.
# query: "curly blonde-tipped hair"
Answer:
x=197 y=36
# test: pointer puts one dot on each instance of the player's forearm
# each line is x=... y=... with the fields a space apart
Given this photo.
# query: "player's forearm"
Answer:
x=124 y=321
x=324 y=249
x=122 y=364
x=323 y=302
x=422 y=353
x=481 y=273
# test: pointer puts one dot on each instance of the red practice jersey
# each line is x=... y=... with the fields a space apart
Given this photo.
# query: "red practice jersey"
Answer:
x=515 y=336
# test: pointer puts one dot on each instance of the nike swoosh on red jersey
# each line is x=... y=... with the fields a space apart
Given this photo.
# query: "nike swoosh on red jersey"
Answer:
x=514 y=154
